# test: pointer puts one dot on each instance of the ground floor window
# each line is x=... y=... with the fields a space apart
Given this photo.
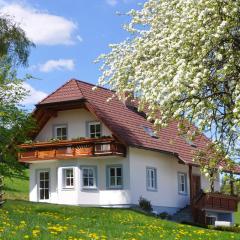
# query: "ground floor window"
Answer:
x=68 y=177
x=182 y=183
x=115 y=177
x=43 y=185
x=89 y=177
x=151 y=179
x=210 y=220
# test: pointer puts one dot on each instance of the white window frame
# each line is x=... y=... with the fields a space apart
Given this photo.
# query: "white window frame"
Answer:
x=64 y=178
x=55 y=127
x=94 y=124
x=39 y=188
x=151 y=177
x=94 y=169
x=182 y=176
x=115 y=186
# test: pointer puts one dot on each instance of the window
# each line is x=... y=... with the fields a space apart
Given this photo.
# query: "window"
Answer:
x=43 y=185
x=151 y=179
x=210 y=220
x=68 y=178
x=94 y=129
x=150 y=132
x=60 y=132
x=115 y=178
x=89 y=177
x=182 y=183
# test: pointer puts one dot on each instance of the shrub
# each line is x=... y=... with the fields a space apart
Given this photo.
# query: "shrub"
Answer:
x=164 y=215
x=145 y=205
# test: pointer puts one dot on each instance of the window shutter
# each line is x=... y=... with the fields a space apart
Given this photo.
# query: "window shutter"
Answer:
x=186 y=188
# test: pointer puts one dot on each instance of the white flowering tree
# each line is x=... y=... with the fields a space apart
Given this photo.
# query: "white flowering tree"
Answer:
x=183 y=60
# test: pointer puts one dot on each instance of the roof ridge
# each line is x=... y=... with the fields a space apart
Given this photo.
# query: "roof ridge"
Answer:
x=75 y=80
x=94 y=85
x=54 y=91
x=59 y=88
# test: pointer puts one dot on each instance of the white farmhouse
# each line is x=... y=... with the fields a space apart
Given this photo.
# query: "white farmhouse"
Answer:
x=92 y=152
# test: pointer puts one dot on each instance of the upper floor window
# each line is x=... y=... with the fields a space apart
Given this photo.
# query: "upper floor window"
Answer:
x=151 y=179
x=60 y=132
x=182 y=183
x=94 y=129
x=68 y=178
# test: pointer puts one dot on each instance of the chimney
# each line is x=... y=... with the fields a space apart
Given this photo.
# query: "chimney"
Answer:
x=128 y=98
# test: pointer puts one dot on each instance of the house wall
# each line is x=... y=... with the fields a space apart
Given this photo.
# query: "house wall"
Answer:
x=101 y=196
x=166 y=198
x=76 y=121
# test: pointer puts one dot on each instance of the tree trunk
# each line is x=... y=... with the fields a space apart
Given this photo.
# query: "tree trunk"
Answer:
x=211 y=182
x=231 y=184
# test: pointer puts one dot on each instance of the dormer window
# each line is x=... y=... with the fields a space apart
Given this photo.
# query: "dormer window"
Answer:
x=94 y=129
x=60 y=132
x=150 y=132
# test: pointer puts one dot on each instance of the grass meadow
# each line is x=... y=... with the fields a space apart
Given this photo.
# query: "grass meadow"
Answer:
x=20 y=219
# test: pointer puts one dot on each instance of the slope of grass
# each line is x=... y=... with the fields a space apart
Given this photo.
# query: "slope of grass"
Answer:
x=25 y=220
x=17 y=187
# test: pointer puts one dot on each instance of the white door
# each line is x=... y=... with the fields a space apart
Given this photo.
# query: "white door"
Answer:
x=43 y=185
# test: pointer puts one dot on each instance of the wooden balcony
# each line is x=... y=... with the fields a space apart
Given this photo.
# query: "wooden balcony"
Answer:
x=67 y=149
x=217 y=201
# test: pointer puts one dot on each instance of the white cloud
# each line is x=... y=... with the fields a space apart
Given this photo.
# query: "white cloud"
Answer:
x=112 y=2
x=60 y=64
x=40 y=26
x=115 y=2
x=79 y=38
x=34 y=96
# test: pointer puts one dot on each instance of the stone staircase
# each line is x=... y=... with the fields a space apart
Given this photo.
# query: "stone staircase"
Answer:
x=183 y=215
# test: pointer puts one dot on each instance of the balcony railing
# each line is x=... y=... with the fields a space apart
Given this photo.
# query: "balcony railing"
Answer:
x=66 y=149
x=217 y=201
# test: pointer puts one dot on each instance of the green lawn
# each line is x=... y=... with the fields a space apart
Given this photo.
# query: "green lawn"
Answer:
x=25 y=220
x=17 y=187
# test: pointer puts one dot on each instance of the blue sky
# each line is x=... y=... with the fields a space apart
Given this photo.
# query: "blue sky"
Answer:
x=69 y=35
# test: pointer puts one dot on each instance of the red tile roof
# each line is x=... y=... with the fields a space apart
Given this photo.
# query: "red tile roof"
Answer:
x=125 y=123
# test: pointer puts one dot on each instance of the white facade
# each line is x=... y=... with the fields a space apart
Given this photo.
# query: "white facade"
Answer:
x=165 y=195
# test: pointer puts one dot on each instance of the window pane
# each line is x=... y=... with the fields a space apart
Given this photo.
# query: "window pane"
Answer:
x=85 y=172
x=91 y=182
x=41 y=193
x=68 y=182
x=64 y=131
x=90 y=172
x=46 y=193
x=119 y=181
x=59 y=132
x=85 y=182
x=41 y=184
x=119 y=172
x=92 y=128
x=41 y=176
x=46 y=175
x=112 y=181
x=46 y=184
x=112 y=172
x=98 y=128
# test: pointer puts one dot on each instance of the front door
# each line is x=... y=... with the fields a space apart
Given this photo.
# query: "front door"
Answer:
x=43 y=185
x=196 y=185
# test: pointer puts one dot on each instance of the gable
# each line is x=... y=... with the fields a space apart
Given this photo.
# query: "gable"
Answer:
x=76 y=121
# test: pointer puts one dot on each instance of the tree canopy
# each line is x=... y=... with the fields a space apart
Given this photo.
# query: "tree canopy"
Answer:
x=15 y=123
x=183 y=60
